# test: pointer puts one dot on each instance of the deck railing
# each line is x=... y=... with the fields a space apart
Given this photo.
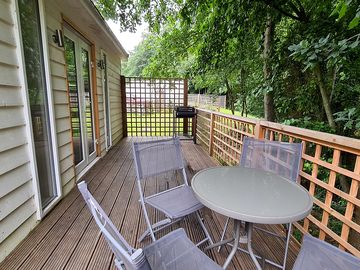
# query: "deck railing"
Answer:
x=330 y=171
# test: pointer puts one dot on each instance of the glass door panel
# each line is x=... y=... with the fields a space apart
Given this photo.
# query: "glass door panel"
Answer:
x=74 y=100
x=107 y=104
x=81 y=100
x=38 y=99
x=88 y=100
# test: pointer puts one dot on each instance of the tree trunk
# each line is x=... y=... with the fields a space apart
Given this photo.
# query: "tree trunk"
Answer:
x=243 y=94
x=325 y=96
x=269 y=108
x=231 y=97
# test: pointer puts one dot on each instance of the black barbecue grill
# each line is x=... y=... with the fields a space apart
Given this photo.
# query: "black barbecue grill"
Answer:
x=185 y=112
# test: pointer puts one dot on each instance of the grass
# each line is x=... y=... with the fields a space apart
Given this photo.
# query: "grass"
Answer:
x=160 y=123
x=227 y=111
x=153 y=124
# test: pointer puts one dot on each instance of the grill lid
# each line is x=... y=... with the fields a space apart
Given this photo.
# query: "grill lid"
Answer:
x=184 y=112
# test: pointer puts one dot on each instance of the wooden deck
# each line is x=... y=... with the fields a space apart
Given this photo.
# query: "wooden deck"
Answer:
x=69 y=239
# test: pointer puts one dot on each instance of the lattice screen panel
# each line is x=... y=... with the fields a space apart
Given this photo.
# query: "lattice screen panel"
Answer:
x=150 y=104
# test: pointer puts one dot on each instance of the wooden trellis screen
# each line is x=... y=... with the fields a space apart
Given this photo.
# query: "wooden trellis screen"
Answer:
x=150 y=103
x=330 y=171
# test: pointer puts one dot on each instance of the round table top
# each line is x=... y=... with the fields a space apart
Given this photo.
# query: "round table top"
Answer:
x=251 y=195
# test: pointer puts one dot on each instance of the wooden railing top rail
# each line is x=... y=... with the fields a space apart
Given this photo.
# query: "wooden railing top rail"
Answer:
x=344 y=143
x=229 y=116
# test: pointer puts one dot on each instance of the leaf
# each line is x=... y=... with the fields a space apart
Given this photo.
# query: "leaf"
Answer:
x=351 y=112
x=293 y=47
x=307 y=66
x=312 y=56
x=354 y=44
x=343 y=10
x=342 y=42
x=354 y=22
x=304 y=44
x=357 y=126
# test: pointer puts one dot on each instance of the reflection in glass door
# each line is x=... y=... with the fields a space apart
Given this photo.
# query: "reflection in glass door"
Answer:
x=85 y=62
x=38 y=99
x=106 y=104
x=81 y=106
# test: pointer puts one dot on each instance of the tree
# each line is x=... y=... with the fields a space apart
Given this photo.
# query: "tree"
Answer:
x=214 y=42
x=140 y=58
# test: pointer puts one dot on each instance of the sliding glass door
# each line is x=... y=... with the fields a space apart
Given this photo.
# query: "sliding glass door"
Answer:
x=78 y=63
x=106 y=104
x=38 y=100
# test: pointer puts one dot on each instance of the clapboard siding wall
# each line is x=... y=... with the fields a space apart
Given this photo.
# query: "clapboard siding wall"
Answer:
x=61 y=100
x=115 y=102
x=17 y=203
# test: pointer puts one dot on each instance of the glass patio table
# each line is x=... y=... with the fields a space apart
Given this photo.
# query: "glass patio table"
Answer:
x=252 y=196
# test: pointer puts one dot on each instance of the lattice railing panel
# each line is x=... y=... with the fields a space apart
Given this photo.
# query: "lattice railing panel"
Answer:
x=330 y=171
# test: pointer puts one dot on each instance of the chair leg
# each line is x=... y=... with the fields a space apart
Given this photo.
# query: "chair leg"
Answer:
x=208 y=237
x=223 y=233
x=149 y=230
x=119 y=265
x=158 y=226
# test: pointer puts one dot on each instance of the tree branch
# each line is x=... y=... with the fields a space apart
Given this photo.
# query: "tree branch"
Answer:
x=298 y=17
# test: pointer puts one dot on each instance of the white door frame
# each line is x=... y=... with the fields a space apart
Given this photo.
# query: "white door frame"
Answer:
x=106 y=101
x=40 y=212
x=79 y=44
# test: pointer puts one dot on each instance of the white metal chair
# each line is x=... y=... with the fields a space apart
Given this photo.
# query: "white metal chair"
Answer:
x=281 y=158
x=172 y=252
x=316 y=254
x=153 y=158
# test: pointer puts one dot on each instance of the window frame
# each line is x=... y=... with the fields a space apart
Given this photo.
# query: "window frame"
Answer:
x=40 y=211
x=107 y=108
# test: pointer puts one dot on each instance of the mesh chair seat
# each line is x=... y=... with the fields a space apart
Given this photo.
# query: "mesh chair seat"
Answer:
x=175 y=203
x=317 y=254
x=176 y=252
x=154 y=158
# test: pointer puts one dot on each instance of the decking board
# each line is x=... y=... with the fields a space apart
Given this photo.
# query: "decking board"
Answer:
x=68 y=237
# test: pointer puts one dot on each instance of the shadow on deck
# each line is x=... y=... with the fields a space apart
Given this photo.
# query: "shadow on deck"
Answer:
x=68 y=238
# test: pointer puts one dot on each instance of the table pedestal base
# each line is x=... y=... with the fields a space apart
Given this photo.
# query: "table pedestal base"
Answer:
x=236 y=239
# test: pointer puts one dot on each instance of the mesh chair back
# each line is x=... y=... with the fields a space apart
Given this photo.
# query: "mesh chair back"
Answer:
x=131 y=258
x=317 y=254
x=156 y=157
x=278 y=157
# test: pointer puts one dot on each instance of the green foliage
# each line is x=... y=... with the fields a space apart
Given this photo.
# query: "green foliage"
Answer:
x=341 y=9
x=325 y=50
x=218 y=45
x=309 y=123
x=140 y=58
x=350 y=120
x=314 y=61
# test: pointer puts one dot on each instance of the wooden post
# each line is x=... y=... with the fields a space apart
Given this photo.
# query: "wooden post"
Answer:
x=211 y=139
x=185 y=120
x=259 y=133
x=123 y=106
x=194 y=127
